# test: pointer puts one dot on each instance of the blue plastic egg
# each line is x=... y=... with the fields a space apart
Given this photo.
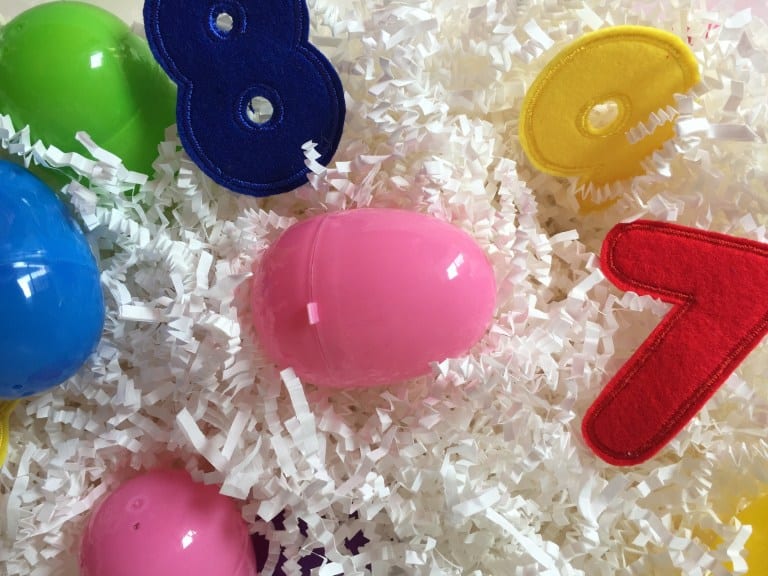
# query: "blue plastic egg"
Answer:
x=51 y=304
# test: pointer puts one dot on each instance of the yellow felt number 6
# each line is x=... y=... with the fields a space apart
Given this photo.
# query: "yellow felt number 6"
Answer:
x=577 y=114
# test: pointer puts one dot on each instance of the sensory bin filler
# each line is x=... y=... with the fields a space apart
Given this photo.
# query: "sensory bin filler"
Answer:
x=322 y=287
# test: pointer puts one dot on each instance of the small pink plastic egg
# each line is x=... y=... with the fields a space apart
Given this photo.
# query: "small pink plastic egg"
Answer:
x=371 y=296
x=162 y=523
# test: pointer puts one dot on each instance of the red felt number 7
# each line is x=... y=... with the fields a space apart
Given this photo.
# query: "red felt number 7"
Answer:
x=719 y=287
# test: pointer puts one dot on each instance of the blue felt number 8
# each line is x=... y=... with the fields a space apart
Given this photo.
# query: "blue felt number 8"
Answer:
x=252 y=89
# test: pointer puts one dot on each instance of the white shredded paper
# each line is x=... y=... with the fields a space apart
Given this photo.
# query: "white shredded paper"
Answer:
x=478 y=468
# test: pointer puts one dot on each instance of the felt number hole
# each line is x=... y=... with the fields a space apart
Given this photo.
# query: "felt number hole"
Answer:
x=605 y=117
x=226 y=19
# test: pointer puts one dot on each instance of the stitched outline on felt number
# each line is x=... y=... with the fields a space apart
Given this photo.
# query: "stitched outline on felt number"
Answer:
x=683 y=302
x=618 y=33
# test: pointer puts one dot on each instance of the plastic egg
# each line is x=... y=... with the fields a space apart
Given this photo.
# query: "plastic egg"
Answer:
x=371 y=296
x=71 y=66
x=51 y=303
x=756 y=515
x=163 y=523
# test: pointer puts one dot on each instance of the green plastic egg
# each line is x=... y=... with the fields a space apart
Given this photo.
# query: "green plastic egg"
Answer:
x=69 y=66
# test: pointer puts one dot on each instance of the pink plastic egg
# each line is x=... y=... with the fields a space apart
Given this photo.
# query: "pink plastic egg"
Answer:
x=164 y=524
x=372 y=296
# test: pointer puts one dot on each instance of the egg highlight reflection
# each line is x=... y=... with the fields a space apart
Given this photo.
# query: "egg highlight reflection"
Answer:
x=51 y=303
x=163 y=523
x=371 y=296
x=71 y=66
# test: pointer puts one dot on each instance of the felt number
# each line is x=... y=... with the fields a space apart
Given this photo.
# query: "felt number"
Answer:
x=717 y=284
x=252 y=89
x=577 y=114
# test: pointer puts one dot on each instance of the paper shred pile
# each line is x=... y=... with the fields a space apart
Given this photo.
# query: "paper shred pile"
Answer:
x=480 y=468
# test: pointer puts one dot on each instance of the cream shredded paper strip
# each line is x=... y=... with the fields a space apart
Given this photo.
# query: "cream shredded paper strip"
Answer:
x=478 y=469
